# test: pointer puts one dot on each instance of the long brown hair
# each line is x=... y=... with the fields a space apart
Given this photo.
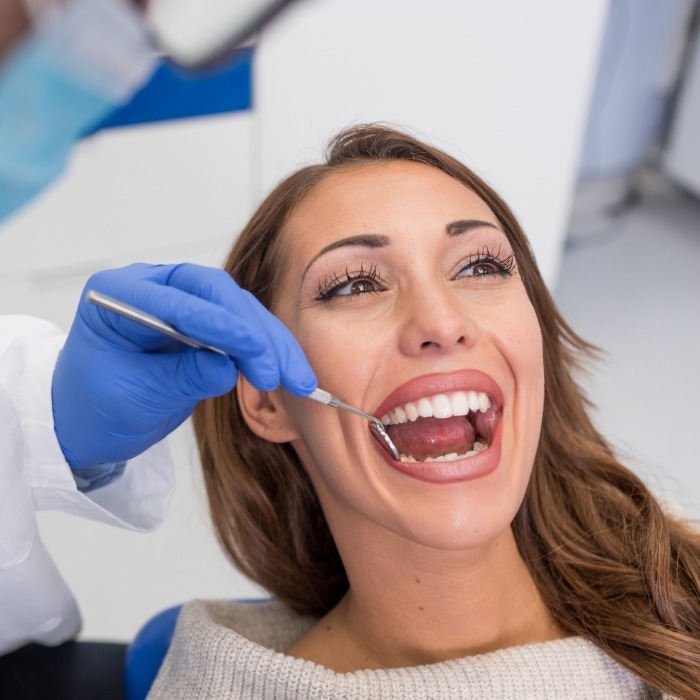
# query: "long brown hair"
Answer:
x=610 y=564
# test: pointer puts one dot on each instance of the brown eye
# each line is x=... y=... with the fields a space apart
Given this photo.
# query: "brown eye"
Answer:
x=360 y=287
x=488 y=266
x=479 y=269
x=356 y=287
x=354 y=284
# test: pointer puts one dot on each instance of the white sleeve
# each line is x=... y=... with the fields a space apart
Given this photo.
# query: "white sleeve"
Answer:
x=35 y=603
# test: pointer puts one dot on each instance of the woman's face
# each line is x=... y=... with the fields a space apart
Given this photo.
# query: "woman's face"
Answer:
x=403 y=291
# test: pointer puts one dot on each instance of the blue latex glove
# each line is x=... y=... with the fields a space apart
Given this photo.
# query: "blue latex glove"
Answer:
x=119 y=387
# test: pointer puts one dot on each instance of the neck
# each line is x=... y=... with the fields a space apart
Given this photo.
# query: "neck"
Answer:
x=408 y=606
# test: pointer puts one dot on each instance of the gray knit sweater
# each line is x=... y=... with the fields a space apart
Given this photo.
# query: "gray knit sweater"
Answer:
x=234 y=650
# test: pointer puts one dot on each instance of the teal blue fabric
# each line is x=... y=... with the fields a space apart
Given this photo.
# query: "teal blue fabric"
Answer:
x=44 y=109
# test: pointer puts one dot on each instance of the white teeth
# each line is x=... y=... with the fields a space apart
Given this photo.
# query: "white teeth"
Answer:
x=442 y=407
x=425 y=408
x=480 y=446
x=411 y=411
x=451 y=457
x=460 y=403
x=457 y=403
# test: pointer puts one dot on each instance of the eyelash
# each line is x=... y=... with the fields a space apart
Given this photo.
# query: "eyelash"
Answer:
x=505 y=264
x=328 y=288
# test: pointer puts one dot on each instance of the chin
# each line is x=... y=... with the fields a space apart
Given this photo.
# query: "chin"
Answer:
x=459 y=529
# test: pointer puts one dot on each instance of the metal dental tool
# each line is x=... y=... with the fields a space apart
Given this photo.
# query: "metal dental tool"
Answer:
x=145 y=319
x=134 y=314
x=374 y=423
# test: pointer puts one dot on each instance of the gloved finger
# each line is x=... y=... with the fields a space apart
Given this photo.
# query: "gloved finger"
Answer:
x=283 y=361
x=293 y=370
x=238 y=334
x=139 y=408
x=198 y=374
x=219 y=287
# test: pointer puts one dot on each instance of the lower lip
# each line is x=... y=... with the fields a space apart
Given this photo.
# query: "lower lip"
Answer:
x=467 y=469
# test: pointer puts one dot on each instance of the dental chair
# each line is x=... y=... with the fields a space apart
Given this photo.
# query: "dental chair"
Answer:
x=146 y=653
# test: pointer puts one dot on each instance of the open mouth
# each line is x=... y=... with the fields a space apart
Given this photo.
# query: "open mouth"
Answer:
x=443 y=427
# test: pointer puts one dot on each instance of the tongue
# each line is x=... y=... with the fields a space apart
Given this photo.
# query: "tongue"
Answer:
x=432 y=437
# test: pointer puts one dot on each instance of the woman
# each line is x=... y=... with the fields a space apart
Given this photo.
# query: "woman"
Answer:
x=508 y=553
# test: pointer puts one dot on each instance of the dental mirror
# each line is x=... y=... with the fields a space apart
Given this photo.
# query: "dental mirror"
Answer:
x=150 y=321
x=374 y=423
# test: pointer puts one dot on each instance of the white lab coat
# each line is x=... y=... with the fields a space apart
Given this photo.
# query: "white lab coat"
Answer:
x=35 y=602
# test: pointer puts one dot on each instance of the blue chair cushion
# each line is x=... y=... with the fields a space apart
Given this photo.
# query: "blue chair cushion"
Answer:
x=146 y=653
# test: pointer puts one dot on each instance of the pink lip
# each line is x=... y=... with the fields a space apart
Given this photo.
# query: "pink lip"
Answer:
x=431 y=384
x=467 y=469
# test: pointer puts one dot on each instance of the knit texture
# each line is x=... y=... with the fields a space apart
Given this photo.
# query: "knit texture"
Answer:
x=234 y=650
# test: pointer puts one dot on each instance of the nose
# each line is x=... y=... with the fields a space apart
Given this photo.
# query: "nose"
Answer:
x=436 y=320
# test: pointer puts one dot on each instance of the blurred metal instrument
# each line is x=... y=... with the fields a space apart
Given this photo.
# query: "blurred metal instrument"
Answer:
x=195 y=33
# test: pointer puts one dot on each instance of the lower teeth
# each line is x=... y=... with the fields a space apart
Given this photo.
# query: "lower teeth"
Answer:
x=451 y=457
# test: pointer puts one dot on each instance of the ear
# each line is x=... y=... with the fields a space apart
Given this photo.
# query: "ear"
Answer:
x=264 y=412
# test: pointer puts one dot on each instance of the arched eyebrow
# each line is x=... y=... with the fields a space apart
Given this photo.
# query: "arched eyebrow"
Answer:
x=367 y=240
x=464 y=225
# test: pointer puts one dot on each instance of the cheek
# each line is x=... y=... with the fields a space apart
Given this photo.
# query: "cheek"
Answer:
x=338 y=480
x=530 y=350
x=523 y=350
x=524 y=346
x=531 y=379
x=342 y=352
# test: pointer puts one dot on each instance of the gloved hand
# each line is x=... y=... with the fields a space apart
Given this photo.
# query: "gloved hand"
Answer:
x=119 y=387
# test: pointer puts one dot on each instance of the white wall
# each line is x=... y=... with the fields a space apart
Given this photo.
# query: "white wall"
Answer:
x=503 y=85
x=682 y=160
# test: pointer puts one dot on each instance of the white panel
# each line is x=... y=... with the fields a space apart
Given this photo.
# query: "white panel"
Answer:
x=134 y=193
x=503 y=85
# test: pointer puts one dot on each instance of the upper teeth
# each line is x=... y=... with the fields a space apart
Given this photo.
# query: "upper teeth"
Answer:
x=456 y=403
